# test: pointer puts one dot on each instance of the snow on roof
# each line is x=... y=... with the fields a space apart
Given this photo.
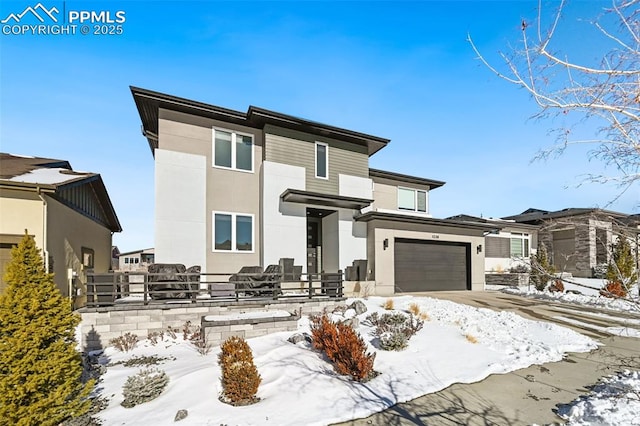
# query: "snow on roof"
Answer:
x=50 y=176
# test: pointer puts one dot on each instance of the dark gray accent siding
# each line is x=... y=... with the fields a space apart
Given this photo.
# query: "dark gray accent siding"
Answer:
x=564 y=250
x=422 y=265
x=498 y=247
x=298 y=149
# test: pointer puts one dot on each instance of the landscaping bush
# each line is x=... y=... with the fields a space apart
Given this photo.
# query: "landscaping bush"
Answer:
x=557 y=287
x=414 y=308
x=614 y=289
x=145 y=386
x=40 y=368
x=388 y=305
x=541 y=269
x=343 y=346
x=124 y=343
x=622 y=268
x=240 y=378
x=394 y=340
x=389 y=326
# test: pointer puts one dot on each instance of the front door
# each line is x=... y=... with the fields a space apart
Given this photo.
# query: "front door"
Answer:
x=314 y=244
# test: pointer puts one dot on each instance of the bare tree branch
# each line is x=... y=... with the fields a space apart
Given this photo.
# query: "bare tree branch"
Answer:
x=606 y=93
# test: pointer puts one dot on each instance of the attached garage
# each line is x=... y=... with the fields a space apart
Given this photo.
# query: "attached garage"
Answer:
x=426 y=265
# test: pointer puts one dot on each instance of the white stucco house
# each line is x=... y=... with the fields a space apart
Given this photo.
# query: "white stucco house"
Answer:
x=235 y=188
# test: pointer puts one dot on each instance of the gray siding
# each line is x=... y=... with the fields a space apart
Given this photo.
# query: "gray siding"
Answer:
x=298 y=149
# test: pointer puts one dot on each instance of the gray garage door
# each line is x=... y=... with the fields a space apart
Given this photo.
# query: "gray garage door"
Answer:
x=431 y=265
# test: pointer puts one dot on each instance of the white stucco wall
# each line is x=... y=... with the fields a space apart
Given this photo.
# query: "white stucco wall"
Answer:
x=284 y=225
x=354 y=186
x=180 y=225
x=353 y=238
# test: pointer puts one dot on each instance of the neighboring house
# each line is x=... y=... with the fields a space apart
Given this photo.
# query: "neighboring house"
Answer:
x=511 y=245
x=577 y=239
x=248 y=188
x=136 y=261
x=69 y=213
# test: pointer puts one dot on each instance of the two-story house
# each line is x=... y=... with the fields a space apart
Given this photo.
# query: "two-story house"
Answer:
x=235 y=189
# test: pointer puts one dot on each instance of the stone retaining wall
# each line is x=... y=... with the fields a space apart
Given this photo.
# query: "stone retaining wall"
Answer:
x=99 y=325
x=216 y=332
x=507 y=279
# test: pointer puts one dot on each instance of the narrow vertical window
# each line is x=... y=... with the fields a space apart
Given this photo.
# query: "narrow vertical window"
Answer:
x=222 y=230
x=244 y=152
x=222 y=149
x=244 y=233
x=322 y=160
x=422 y=201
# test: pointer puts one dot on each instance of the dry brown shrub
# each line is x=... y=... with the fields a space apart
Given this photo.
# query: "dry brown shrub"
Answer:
x=414 y=309
x=343 y=346
x=557 y=287
x=614 y=289
x=240 y=378
x=471 y=338
x=388 y=304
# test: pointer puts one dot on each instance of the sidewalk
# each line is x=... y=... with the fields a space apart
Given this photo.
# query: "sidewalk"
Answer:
x=525 y=396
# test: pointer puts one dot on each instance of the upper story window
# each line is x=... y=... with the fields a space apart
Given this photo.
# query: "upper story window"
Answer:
x=232 y=232
x=322 y=160
x=519 y=245
x=232 y=150
x=412 y=200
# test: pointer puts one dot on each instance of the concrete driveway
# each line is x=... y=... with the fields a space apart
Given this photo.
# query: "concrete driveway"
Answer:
x=530 y=395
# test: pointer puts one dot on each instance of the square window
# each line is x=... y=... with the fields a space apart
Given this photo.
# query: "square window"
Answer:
x=232 y=150
x=233 y=232
x=406 y=199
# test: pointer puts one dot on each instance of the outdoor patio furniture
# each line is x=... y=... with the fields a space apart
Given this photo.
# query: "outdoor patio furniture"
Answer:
x=253 y=281
x=167 y=281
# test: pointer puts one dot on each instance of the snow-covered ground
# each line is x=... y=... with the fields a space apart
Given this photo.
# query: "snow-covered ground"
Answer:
x=614 y=401
x=590 y=295
x=458 y=343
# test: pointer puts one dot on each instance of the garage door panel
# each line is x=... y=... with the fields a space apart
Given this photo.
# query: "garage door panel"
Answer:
x=431 y=266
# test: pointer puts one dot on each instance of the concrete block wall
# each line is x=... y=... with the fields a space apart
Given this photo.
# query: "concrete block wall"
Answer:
x=216 y=332
x=99 y=325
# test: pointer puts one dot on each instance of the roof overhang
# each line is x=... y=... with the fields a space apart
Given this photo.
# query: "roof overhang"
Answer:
x=397 y=217
x=402 y=178
x=326 y=200
x=149 y=103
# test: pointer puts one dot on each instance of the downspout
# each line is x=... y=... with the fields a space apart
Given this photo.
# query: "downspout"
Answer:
x=44 y=229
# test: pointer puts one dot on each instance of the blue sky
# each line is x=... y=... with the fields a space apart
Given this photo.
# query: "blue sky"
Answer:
x=401 y=70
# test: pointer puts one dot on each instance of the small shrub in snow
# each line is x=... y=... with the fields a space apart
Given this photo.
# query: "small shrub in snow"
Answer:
x=344 y=348
x=144 y=360
x=388 y=304
x=124 y=343
x=389 y=325
x=614 y=289
x=394 y=340
x=240 y=378
x=414 y=308
x=145 y=386
x=541 y=269
x=557 y=287
x=195 y=336
x=471 y=338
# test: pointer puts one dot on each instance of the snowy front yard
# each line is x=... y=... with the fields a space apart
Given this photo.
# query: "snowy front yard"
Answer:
x=457 y=344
